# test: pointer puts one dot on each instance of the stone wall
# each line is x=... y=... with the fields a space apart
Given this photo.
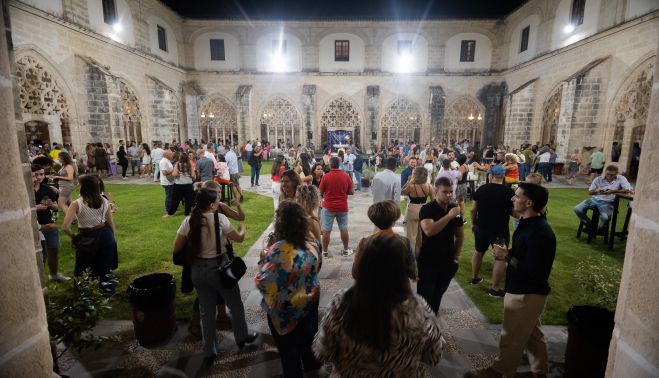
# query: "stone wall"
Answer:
x=519 y=118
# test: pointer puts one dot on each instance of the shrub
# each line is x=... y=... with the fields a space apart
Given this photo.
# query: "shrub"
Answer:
x=599 y=279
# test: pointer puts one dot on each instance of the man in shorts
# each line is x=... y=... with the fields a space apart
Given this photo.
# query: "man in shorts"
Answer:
x=596 y=163
x=490 y=214
x=232 y=163
x=46 y=202
x=335 y=186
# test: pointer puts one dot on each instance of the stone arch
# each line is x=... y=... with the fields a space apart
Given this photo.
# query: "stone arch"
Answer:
x=340 y=115
x=130 y=128
x=630 y=113
x=464 y=120
x=551 y=111
x=401 y=121
x=280 y=122
x=43 y=100
x=218 y=120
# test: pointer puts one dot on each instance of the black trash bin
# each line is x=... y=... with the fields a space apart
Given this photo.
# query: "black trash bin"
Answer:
x=589 y=334
x=154 y=312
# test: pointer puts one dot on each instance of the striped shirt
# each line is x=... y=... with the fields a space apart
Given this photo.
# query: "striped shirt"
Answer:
x=88 y=217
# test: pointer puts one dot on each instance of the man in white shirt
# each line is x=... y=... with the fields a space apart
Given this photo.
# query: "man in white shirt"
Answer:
x=603 y=191
x=166 y=179
x=248 y=149
x=232 y=163
x=156 y=156
x=386 y=184
x=210 y=153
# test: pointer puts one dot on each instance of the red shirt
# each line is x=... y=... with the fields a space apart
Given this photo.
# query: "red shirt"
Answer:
x=335 y=184
x=277 y=177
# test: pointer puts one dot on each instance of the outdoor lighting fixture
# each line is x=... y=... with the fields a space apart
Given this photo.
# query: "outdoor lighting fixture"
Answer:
x=569 y=28
x=471 y=117
x=211 y=115
x=117 y=27
x=203 y=115
x=479 y=117
x=405 y=62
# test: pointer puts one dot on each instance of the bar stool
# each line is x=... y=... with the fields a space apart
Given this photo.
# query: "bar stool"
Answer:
x=226 y=186
x=592 y=231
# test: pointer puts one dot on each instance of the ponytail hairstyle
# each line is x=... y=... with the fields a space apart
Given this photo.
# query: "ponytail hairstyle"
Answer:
x=279 y=160
x=203 y=200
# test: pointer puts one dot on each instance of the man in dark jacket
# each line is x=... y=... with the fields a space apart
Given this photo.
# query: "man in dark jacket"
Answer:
x=527 y=286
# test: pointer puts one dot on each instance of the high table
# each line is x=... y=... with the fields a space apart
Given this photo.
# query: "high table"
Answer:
x=614 y=217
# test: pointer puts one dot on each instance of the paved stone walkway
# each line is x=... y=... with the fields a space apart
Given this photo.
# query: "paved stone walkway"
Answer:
x=472 y=342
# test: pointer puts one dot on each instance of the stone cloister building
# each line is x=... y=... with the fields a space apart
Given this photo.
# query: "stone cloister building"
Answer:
x=572 y=73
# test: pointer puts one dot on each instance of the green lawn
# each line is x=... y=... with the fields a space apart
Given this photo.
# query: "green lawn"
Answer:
x=569 y=252
x=145 y=240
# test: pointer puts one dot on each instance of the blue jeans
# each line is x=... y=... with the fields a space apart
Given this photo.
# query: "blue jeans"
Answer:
x=169 y=189
x=605 y=208
x=206 y=280
x=256 y=172
x=358 y=178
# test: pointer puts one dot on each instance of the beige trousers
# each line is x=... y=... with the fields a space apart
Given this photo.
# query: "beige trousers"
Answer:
x=521 y=332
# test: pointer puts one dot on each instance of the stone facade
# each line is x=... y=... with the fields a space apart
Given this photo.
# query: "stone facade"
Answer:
x=493 y=93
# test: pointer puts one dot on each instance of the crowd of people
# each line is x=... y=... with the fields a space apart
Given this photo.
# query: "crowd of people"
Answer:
x=377 y=326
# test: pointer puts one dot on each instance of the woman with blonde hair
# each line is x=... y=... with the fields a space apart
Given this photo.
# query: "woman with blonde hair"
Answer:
x=308 y=197
x=420 y=192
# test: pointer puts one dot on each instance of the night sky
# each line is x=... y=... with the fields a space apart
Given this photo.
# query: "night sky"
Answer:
x=343 y=9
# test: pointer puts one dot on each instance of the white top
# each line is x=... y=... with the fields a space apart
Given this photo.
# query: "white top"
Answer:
x=165 y=164
x=88 y=217
x=156 y=154
x=248 y=147
x=183 y=178
x=208 y=250
x=232 y=162
x=429 y=167
x=544 y=158
x=386 y=186
x=211 y=156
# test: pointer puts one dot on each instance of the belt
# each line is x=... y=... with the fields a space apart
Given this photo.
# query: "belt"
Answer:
x=90 y=229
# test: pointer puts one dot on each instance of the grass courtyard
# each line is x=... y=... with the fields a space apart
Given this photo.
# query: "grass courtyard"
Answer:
x=145 y=246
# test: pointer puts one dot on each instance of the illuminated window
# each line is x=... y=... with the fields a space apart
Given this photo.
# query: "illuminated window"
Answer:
x=341 y=51
x=467 y=51
x=404 y=47
x=109 y=12
x=278 y=47
x=162 y=38
x=524 y=45
x=217 y=49
x=578 y=7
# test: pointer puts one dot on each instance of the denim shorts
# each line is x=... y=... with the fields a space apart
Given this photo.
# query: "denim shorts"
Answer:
x=52 y=238
x=327 y=220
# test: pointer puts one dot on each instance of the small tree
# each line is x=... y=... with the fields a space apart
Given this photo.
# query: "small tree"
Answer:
x=599 y=281
x=74 y=311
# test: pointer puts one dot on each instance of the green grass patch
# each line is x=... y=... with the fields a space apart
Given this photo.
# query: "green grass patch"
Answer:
x=145 y=240
x=564 y=289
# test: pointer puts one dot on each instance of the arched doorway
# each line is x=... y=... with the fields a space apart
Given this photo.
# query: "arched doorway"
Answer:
x=42 y=100
x=131 y=116
x=464 y=120
x=218 y=121
x=401 y=122
x=281 y=124
x=631 y=113
x=550 y=115
x=340 y=123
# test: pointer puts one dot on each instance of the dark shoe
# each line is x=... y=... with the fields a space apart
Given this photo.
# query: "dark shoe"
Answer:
x=251 y=336
x=241 y=198
x=208 y=361
x=496 y=293
x=483 y=373
x=476 y=281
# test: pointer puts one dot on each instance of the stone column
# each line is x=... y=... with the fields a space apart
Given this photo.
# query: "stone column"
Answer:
x=519 y=121
x=309 y=101
x=436 y=116
x=372 y=113
x=492 y=97
x=565 y=119
x=24 y=339
x=633 y=351
x=243 y=102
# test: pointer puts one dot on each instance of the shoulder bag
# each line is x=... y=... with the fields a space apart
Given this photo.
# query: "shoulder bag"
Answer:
x=231 y=268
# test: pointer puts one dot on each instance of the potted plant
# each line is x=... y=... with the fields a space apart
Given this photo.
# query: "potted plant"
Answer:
x=590 y=325
x=72 y=312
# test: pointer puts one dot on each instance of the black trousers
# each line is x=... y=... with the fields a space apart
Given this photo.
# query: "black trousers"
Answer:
x=183 y=192
x=124 y=167
x=433 y=282
x=295 y=347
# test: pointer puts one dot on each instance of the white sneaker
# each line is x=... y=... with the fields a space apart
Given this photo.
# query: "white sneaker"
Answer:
x=59 y=277
x=347 y=252
x=326 y=255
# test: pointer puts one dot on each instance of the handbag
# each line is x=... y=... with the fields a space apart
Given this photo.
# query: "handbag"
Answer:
x=231 y=268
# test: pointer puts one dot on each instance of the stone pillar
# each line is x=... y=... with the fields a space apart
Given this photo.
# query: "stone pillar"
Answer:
x=372 y=113
x=436 y=115
x=633 y=351
x=309 y=101
x=565 y=119
x=492 y=96
x=24 y=339
x=519 y=121
x=164 y=118
x=98 y=104
x=243 y=102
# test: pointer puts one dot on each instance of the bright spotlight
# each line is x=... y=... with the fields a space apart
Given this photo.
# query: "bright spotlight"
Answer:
x=405 y=62
x=569 y=28
x=117 y=27
x=278 y=62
